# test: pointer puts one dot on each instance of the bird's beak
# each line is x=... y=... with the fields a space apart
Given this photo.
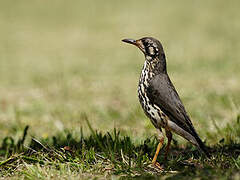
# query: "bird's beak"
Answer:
x=137 y=43
x=131 y=41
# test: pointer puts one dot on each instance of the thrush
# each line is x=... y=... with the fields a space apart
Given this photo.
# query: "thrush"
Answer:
x=160 y=100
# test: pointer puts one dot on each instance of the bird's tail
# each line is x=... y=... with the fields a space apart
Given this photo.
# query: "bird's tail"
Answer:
x=201 y=145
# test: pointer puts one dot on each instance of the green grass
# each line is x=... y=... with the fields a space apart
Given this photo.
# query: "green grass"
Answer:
x=114 y=155
x=62 y=62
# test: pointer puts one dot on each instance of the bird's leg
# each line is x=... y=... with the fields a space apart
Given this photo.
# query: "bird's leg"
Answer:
x=161 y=140
x=169 y=136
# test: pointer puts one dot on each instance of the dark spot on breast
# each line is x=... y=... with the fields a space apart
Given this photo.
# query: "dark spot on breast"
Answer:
x=159 y=114
x=178 y=111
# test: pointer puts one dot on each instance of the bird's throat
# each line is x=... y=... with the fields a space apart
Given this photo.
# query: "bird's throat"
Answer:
x=147 y=72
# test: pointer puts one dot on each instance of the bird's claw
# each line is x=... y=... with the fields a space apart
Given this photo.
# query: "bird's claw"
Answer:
x=158 y=166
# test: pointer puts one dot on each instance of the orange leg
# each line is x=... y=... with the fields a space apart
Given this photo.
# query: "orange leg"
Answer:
x=161 y=140
x=169 y=136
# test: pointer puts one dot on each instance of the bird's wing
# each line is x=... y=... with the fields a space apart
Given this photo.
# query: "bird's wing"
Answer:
x=162 y=93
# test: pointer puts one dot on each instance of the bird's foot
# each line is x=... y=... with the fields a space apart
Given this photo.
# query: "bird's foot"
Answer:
x=158 y=166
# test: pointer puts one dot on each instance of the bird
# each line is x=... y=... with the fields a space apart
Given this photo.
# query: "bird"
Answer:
x=160 y=100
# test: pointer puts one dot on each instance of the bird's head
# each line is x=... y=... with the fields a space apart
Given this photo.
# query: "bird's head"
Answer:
x=150 y=47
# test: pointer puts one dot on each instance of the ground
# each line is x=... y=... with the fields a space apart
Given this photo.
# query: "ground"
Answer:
x=66 y=75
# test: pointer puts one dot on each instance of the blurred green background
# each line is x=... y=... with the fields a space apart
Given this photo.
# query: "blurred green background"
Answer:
x=62 y=61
